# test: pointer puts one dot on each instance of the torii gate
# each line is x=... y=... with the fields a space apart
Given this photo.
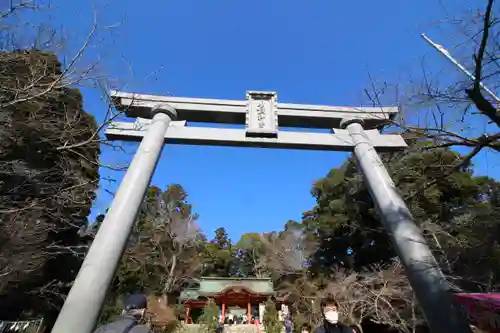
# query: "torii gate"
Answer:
x=162 y=119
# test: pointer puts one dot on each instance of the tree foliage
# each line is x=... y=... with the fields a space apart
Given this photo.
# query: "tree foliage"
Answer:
x=453 y=208
x=271 y=320
x=209 y=319
x=339 y=248
x=248 y=255
x=48 y=175
x=164 y=248
x=219 y=255
x=354 y=258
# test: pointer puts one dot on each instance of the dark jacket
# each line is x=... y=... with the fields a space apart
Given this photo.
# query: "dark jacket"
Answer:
x=333 y=328
x=123 y=324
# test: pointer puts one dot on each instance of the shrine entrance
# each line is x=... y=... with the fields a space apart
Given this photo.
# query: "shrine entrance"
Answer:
x=163 y=119
x=240 y=300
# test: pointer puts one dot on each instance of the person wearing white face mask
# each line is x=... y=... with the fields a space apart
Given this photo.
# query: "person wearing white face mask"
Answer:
x=331 y=323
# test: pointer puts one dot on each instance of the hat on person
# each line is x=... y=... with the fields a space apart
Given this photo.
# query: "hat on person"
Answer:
x=136 y=302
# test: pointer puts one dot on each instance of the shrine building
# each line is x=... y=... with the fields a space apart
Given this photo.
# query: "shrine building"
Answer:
x=234 y=296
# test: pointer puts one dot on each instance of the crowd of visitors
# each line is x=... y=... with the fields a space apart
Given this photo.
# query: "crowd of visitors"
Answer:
x=132 y=319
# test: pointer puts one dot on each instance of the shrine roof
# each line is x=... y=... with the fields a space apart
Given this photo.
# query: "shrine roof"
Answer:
x=212 y=286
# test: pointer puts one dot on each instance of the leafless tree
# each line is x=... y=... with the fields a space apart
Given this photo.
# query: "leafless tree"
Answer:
x=392 y=299
x=380 y=295
x=258 y=269
x=460 y=113
x=286 y=253
x=353 y=297
x=161 y=317
x=457 y=253
x=167 y=243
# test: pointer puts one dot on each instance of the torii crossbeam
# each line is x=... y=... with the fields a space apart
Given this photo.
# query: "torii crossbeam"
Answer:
x=262 y=116
x=162 y=119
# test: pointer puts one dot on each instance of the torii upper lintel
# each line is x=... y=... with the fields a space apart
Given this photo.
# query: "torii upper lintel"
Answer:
x=236 y=112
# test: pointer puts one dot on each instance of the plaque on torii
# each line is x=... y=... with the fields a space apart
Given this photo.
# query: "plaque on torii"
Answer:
x=261 y=114
x=163 y=119
x=261 y=118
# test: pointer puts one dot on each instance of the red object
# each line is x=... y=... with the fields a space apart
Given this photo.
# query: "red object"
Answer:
x=256 y=323
x=482 y=310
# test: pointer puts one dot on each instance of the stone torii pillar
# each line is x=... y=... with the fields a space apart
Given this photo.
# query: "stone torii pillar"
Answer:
x=84 y=302
x=427 y=281
x=261 y=113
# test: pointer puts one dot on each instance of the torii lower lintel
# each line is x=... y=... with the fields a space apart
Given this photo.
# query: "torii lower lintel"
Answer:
x=179 y=133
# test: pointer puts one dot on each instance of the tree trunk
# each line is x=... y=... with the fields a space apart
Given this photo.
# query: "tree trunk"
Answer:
x=170 y=279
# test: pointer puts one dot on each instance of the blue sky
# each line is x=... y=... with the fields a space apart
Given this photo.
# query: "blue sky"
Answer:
x=314 y=52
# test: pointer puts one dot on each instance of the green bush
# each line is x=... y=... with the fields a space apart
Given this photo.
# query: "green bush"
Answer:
x=209 y=319
x=271 y=319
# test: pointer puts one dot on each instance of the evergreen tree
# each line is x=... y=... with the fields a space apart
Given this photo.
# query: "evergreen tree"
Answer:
x=48 y=178
x=209 y=319
x=219 y=256
x=271 y=318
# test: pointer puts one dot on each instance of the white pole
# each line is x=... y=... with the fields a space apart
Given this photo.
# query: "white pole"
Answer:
x=426 y=279
x=83 y=305
x=464 y=70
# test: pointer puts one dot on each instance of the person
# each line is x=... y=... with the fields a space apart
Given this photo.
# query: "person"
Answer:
x=331 y=323
x=131 y=318
x=305 y=328
x=288 y=324
x=280 y=315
